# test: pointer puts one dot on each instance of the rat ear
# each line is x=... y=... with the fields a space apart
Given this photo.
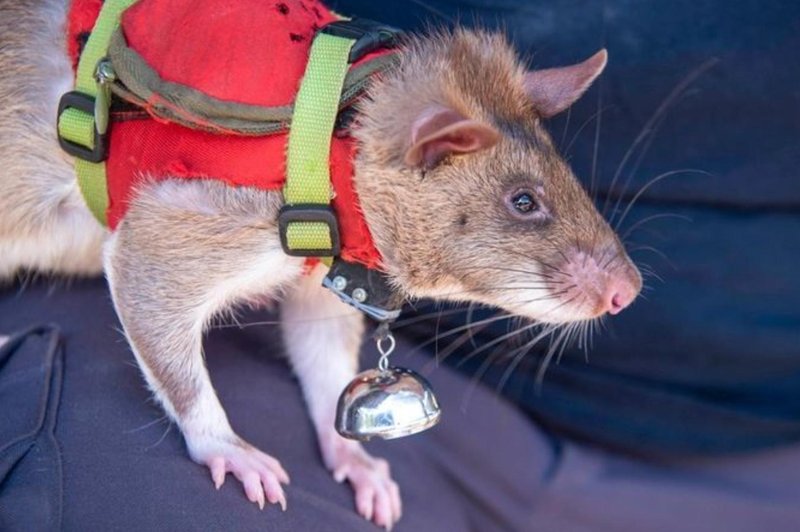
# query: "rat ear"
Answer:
x=552 y=90
x=439 y=131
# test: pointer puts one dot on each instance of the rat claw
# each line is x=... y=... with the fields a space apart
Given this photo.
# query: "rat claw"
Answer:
x=276 y=468
x=282 y=502
x=253 y=489
x=261 y=475
x=217 y=467
x=273 y=489
x=365 y=503
x=382 y=508
x=377 y=496
x=283 y=476
x=397 y=501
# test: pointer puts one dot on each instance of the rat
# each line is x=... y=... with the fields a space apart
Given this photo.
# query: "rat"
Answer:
x=461 y=187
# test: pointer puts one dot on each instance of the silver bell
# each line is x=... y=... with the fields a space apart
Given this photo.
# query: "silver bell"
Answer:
x=386 y=403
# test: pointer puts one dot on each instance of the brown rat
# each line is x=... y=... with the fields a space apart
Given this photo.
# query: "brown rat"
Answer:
x=461 y=187
x=502 y=201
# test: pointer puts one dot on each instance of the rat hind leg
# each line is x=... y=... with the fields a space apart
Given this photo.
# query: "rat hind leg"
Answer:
x=322 y=336
x=185 y=252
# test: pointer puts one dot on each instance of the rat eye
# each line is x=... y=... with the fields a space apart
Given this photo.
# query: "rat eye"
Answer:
x=524 y=203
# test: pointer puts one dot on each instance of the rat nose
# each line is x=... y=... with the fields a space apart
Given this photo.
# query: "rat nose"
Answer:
x=620 y=291
x=603 y=280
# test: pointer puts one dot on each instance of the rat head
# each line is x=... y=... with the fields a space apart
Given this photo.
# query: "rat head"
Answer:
x=465 y=194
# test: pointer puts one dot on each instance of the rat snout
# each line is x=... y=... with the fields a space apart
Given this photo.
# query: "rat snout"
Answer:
x=620 y=292
x=599 y=281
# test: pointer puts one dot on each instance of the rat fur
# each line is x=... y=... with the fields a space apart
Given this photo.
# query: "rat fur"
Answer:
x=449 y=139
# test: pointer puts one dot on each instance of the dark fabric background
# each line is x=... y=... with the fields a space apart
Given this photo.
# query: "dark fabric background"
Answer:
x=710 y=361
x=84 y=448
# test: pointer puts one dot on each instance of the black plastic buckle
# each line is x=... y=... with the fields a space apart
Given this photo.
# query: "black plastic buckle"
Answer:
x=84 y=103
x=368 y=34
x=309 y=212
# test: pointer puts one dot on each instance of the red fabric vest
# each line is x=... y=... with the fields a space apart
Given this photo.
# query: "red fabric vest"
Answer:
x=247 y=51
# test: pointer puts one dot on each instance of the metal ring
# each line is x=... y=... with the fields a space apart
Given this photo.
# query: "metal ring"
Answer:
x=383 y=363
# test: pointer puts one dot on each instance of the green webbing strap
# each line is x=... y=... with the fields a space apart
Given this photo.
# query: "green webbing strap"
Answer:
x=77 y=126
x=307 y=166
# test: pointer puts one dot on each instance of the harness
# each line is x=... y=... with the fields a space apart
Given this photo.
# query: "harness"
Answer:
x=201 y=89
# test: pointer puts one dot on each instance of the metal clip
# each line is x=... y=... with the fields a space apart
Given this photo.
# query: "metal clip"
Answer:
x=104 y=75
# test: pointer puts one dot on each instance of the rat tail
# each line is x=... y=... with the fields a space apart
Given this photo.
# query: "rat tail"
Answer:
x=44 y=224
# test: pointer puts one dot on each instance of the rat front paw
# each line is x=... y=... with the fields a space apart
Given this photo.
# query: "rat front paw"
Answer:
x=260 y=474
x=377 y=495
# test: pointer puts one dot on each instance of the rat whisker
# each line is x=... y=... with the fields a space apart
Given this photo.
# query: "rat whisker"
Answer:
x=648 y=126
x=534 y=259
x=645 y=266
x=645 y=149
x=612 y=257
x=653 y=276
x=592 y=332
x=548 y=297
x=156 y=421
x=518 y=356
x=583 y=126
x=572 y=330
x=496 y=341
x=436 y=337
x=562 y=304
x=566 y=127
x=652 y=182
x=585 y=338
x=459 y=296
x=648 y=272
x=424 y=317
x=596 y=150
x=557 y=248
x=243 y=325
x=588 y=339
x=510 y=284
x=502 y=269
x=161 y=439
x=476 y=378
x=457 y=343
x=648 y=219
x=469 y=320
x=416 y=319
x=657 y=126
x=230 y=314
x=656 y=251
x=546 y=362
x=456 y=330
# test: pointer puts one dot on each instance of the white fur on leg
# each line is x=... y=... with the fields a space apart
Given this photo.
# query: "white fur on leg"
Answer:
x=323 y=336
x=209 y=437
